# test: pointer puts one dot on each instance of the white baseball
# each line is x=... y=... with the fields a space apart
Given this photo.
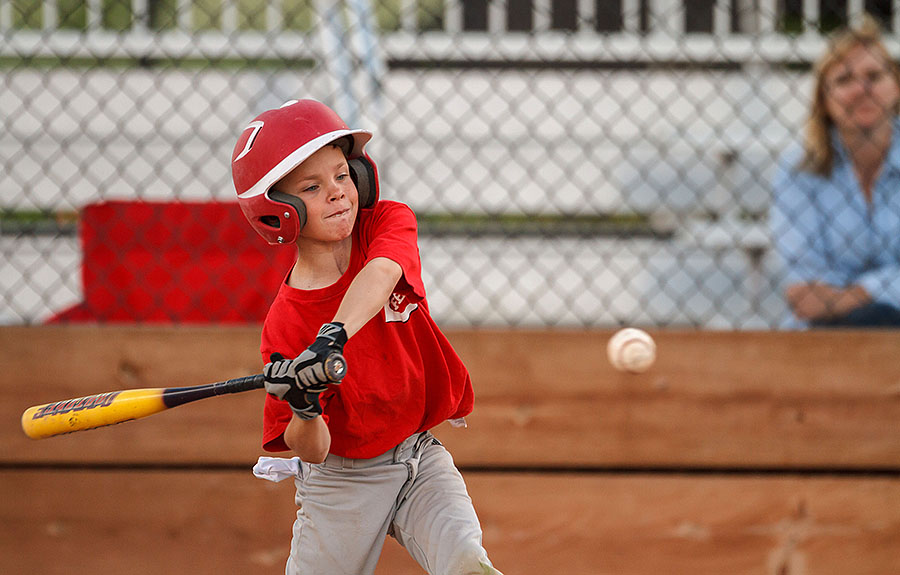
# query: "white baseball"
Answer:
x=631 y=349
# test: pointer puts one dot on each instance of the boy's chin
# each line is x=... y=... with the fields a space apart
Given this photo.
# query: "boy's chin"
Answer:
x=337 y=233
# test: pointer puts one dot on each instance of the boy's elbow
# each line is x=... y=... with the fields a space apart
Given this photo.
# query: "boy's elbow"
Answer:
x=311 y=453
x=314 y=457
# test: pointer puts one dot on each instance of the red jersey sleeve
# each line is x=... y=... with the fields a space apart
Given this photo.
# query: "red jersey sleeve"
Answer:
x=391 y=231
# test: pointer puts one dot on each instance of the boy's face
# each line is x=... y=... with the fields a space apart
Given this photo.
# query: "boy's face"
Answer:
x=323 y=182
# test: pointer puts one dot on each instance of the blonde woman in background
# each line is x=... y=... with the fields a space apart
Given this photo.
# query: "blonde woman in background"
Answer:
x=836 y=212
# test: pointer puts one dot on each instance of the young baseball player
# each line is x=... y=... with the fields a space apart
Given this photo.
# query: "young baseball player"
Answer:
x=369 y=466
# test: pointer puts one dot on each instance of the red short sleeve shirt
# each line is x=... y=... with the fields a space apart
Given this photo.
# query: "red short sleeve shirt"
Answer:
x=403 y=375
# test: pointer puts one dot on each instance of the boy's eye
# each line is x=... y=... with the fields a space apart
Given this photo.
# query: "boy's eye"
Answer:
x=311 y=188
x=341 y=177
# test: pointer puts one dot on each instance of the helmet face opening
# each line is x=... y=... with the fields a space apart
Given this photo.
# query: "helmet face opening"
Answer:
x=276 y=142
x=270 y=221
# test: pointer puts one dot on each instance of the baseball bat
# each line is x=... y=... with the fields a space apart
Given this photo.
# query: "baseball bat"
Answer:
x=104 y=409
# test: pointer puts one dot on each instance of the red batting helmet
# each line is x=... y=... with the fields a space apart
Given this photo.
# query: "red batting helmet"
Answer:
x=275 y=143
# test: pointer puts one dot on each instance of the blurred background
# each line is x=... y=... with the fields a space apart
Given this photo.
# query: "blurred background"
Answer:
x=573 y=163
x=576 y=166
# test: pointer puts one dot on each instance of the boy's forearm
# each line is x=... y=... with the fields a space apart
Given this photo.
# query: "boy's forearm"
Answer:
x=368 y=293
x=309 y=439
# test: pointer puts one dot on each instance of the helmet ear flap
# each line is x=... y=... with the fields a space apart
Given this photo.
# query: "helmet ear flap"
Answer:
x=362 y=172
x=292 y=202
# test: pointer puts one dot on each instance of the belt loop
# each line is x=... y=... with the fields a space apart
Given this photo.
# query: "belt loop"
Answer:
x=337 y=462
x=408 y=444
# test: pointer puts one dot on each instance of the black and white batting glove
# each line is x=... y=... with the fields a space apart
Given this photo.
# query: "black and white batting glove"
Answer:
x=317 y=368
x=281 y=382
x=299 y=381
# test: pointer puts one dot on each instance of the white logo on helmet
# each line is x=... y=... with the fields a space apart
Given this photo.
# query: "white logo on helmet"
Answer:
x=256 y=127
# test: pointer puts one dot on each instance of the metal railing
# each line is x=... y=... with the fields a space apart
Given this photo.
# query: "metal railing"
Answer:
x=507 y=31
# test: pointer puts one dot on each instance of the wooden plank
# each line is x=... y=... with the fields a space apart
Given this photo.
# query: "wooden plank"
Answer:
x=754 y=399
x=139 y=523
x=544 y=398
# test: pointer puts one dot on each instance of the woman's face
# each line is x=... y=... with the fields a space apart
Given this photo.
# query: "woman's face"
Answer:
x=861 y=94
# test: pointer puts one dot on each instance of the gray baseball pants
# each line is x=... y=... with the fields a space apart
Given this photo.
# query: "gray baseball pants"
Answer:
x=413 y=492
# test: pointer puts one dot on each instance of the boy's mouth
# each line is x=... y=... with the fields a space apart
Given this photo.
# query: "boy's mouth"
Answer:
x=338 y=214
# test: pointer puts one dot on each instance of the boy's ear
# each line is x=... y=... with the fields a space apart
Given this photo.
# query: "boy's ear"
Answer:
x=362 y=172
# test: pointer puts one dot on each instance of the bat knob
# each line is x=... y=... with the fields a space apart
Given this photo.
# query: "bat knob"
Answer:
x=335 y=367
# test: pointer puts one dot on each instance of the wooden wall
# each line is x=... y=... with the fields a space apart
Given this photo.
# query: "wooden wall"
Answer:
x=742 y=453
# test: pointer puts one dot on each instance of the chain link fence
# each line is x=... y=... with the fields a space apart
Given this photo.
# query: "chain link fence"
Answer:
x=572 y=163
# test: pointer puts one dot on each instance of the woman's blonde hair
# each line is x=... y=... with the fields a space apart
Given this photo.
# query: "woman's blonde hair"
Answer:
x=819 y=154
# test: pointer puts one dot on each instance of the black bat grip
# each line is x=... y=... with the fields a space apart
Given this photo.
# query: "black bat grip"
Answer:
x=175 y=396
x=239 y=384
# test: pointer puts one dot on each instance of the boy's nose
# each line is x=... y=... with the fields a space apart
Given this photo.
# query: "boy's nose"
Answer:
x=335 y=192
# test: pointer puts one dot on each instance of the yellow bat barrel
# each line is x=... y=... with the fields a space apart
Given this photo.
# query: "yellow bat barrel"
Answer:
x=92 y=411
